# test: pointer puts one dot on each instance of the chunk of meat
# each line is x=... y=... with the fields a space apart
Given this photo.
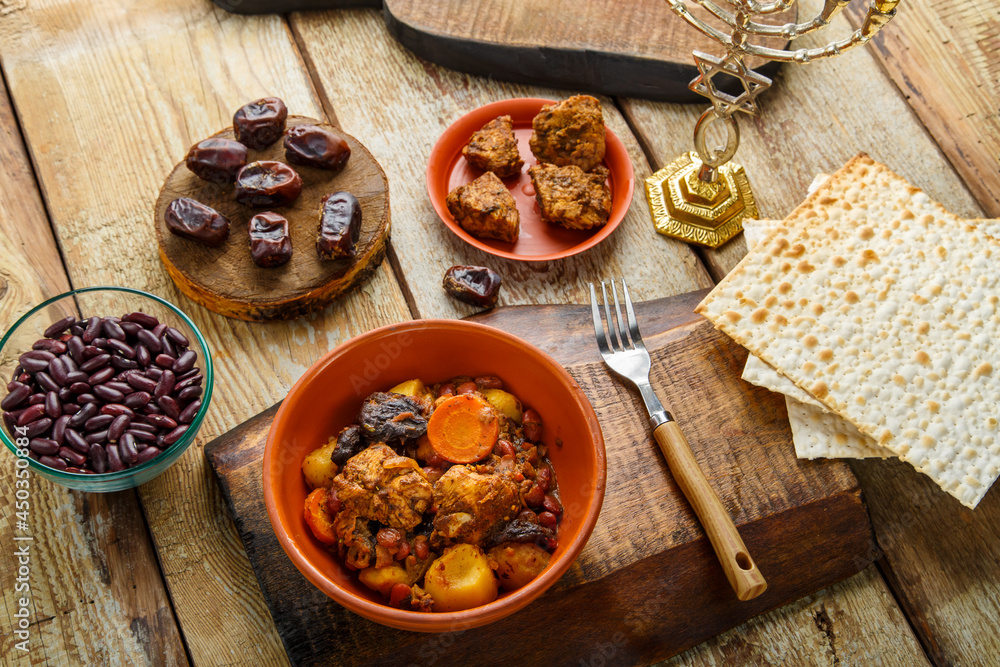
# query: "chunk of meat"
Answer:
x=471 y=505
x=570 y=132
x=571 y=198
x=389 y=417
x=381 y=485
x=486 y=209
x=494 y=148
x=355 y=542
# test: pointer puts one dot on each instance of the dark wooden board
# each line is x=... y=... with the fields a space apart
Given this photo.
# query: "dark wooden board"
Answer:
x=226 y=280
x=632 y=49
x=647 y=585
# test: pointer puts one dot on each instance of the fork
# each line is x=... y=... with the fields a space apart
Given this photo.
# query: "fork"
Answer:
x=629 y=359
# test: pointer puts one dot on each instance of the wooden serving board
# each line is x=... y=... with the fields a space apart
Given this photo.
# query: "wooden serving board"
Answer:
x=633 y=49
x=647 y=585
x=226 y=280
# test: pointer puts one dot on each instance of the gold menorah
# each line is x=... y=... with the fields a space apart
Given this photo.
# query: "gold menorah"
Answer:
x=702 y=196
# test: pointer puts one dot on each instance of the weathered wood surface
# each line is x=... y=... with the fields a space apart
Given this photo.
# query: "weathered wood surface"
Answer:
x=813 y=120
x=227 y=281
x=803 y=522
x=945 y=59
x=96 y=593
x=400 y=116
x=941 y=560
x=170 y=73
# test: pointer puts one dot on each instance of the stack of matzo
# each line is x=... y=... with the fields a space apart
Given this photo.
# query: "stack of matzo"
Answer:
x=882 y=309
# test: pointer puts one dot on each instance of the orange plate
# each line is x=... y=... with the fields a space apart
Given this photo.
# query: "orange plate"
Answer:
x=538 y=241
x=329 y=395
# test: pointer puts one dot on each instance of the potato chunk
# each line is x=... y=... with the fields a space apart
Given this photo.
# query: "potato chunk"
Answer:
x=461 y=579
x=318 y=466
x=382 y=579
x=505 y=402
x=518 y=563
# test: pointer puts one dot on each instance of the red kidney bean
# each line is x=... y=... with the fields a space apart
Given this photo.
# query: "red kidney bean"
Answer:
x=466 y=388
x=32 y=413
x=504 y=448
x=77 y=376
x=35 y=355
x=72 y=456
x=65 y=395
x=96 y=437
x=44 y=446
x=75 y=345
x=188 y=394
x=101 y=343
x=95 y=363
x=142 y=355
x=551 y=504
x=137 y=399
x=123 y=387
x=89 y=352
x=188 y=374
x=108 y=394
x=59 y=429
x=113 y=330
x=98 y=458
x=38 y=427
x=169 y=407
x=164 y=360
x=148 y=454
x=122 y=364
x=154 y=373
x=122 y=348
x=117 y=409
x=185 y=362
x=10 y=419
x=165 y=385
x=159 y=329
x=532 y=424
x=97 y=423
x=152 y=409
x=188 y=413
x=162 y=421
x=87 y=398
x=131 y=329
x=118 y=427
x=34 y=365
x=80 y=388
x=528 y=515
x=85 y=413
x=168 y=347
x=18 y=396
x=59 y=326
x=114 y=459
x=151 y=342
x=53 y=407
x=534 y=496
x=46 y=381
x=53 y=346
x=93 y=330
x=37 y=398
x=176 y=336
x=70 y=409
x=101 y=376
x=141 y=383
x=53 y=462
x=143 y=436
x=543 y=478
x=74 y=330
x=142 y=319
x=548 y=519
x=192 y=381
x=489 y=382
x=127 y=450
x=175 y=435
x=141 y=426
x=68 y=363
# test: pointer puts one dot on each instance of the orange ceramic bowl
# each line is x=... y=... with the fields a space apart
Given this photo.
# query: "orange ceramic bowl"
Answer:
x=329 y=395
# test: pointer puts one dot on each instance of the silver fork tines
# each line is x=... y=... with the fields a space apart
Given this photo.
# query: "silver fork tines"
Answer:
x=625 y=355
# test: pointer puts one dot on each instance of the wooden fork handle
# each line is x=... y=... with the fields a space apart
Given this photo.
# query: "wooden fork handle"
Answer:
x=739 y=567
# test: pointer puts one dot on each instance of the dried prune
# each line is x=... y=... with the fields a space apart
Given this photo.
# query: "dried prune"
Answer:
x=477 y=285
x=193 y=220
x=217 y=160
x=270 y=244
x=339 y=226
x=267 y=183
x=313 y=146
x=261 y=123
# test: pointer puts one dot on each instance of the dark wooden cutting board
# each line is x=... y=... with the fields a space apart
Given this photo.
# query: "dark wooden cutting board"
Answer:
x=647 y=585
x=633 y=49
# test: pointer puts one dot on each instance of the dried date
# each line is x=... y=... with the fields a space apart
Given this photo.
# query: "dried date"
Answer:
x=217 y=160
x=339 y=226
x=270 y=244
x=193 y=220
x=313 y=146
x=477 y=285
x=259 y=124
x=267 y=183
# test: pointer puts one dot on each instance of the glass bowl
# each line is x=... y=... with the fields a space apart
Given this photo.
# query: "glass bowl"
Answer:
x=104 y=301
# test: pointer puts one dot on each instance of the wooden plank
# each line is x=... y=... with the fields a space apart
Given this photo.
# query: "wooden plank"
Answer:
x=171 y=73
x=855 y=622
x=803 y=521
x=945 y=59
x=399 y=115
x=811 y=122
x=95 y=597
x=940 y=560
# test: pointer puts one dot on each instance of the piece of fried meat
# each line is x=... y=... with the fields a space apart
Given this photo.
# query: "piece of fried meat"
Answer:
x=570 y=197
x=485 y=209
x=494 y=148
x=569 y=132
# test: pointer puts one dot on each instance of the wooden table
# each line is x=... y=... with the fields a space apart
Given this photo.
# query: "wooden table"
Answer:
x=102 y=97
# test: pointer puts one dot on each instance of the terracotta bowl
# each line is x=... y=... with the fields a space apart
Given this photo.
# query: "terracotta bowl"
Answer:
x=328 y=396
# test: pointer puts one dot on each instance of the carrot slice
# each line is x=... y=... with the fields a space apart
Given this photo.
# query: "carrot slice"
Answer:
x=319 y=520
x=463 y=429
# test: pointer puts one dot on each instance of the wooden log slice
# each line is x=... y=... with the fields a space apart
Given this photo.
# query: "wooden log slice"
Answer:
x=226 y=280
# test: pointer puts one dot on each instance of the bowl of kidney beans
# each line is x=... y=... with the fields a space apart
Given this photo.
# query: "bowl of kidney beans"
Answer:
x=106 y=387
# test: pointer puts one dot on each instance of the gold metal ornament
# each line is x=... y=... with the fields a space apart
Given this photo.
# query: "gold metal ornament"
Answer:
x=702 y=196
